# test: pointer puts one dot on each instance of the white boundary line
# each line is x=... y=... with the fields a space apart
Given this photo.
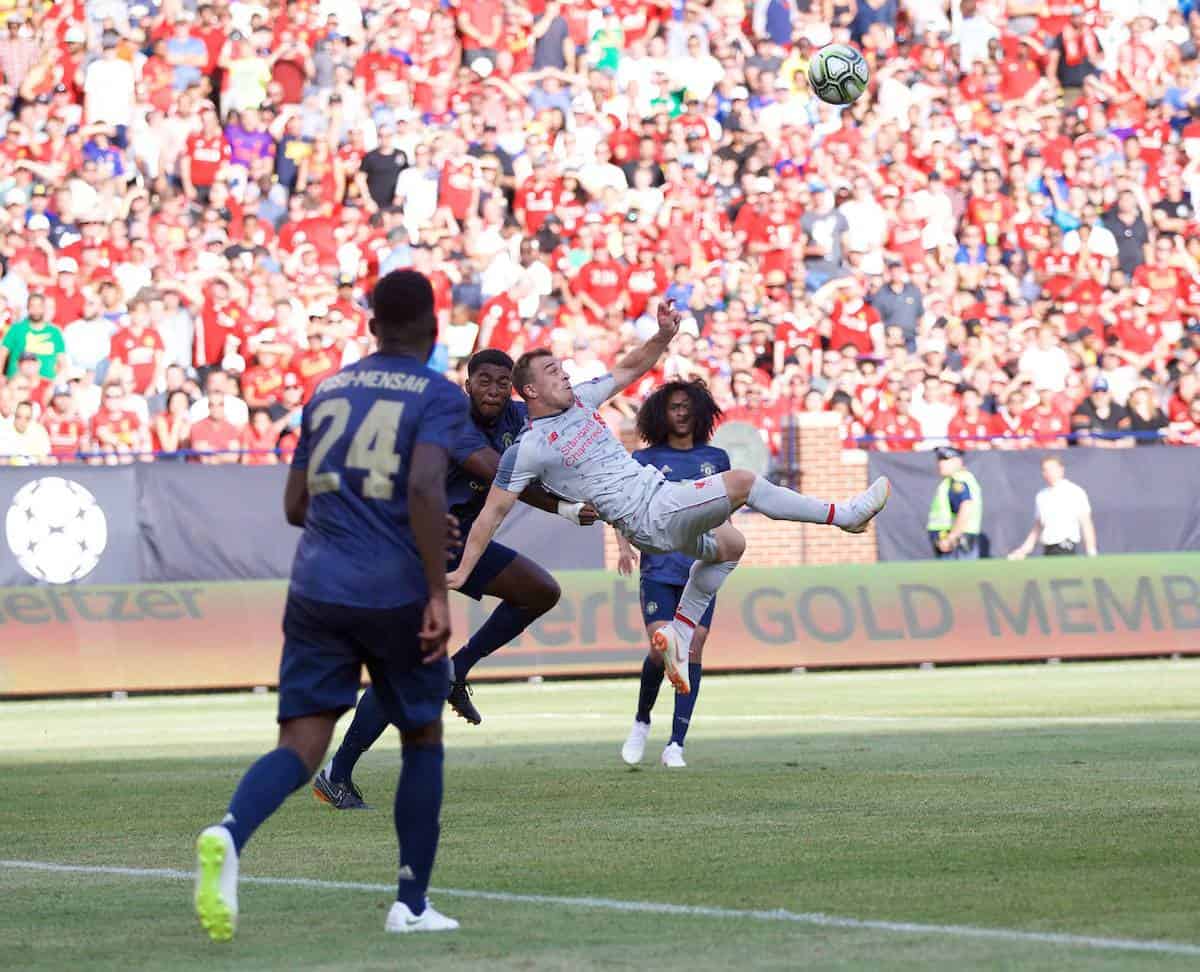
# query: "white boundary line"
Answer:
x=816 y=919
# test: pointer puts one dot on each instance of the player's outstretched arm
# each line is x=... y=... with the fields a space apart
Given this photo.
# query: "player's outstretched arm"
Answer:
x=641 y=359
x=499 y=502
x=427 y=518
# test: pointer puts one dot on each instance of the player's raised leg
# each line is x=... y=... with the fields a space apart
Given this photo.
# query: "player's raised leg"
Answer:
x=745 y=488
x=717 y=552
x=526 y=590
x=335 y=785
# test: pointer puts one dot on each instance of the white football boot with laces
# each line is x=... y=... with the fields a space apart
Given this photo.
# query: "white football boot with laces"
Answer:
x=673 y=756
x=402 y=921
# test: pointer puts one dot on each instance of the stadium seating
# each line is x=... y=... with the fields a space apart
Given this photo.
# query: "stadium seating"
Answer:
x=996 y=246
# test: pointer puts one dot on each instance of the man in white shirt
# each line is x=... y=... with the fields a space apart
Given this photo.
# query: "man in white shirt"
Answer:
x=1063 y=516
x=1046 y=362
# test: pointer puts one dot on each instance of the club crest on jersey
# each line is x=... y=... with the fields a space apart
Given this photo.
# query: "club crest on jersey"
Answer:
x=707 y=469
x=553 y=436
x=506 y=439
x=651 y=607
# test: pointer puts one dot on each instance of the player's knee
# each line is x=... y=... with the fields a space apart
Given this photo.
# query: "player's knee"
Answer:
x=544 y=595
x=429 y=734
x=738 y=483
x=308 y=738
x=731 y=544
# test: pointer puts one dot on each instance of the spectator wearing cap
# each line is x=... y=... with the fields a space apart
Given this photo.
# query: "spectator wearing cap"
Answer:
x=956 y=514
x=34 y=335
x=109 y=88
x=64 y=427
x=1062 y=519
x=899 y=302
x=66 y=292
x=1099 y=421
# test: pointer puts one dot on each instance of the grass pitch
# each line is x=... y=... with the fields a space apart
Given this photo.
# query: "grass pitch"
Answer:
x=1034 y=800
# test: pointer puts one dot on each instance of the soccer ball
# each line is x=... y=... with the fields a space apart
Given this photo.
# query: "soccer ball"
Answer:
x=56 y=530
x=838 y=74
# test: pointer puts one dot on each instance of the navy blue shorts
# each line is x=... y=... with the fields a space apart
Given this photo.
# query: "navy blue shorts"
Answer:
x=326 y=646
x=660 y=602
x=491 y=564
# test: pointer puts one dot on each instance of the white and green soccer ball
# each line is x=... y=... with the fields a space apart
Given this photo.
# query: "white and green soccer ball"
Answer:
x=838 y=74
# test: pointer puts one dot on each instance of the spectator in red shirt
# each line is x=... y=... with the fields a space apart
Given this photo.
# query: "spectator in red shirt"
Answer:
x=972 y=428
x=259 y=439
x=217 y=440
x=67 y=431
x=172 y=427
x=315 y=363
x=116 y=432
x=139 y=347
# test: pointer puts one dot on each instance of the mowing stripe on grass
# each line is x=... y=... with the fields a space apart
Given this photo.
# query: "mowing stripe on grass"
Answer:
x=660 y=908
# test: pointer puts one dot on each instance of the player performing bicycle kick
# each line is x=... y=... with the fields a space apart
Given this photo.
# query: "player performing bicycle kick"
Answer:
x=570 y=449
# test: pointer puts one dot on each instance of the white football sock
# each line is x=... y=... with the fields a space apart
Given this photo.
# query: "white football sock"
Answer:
x=703 y=583
x=781 y=503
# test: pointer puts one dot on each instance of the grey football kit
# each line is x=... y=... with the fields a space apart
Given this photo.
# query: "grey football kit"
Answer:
x=575 y=455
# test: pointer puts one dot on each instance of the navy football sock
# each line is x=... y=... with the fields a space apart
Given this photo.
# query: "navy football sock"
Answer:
x=504 y=624
x=684 y=704
x=270 y=781
x=418 y=806
x=366 y=727
x=652 y=679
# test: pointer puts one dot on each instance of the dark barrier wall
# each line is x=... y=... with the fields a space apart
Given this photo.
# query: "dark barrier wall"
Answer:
x=1143 y=500
x=79 y=638
x=163 y=522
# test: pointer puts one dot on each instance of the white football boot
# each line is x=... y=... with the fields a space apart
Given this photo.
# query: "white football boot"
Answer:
x=402 y=921
x=635 y=743
x=854 y=515
x=217 y=883
x=676 y=649
x=673 y=756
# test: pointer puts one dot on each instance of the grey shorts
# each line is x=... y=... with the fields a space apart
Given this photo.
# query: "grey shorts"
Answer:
x=680 y=518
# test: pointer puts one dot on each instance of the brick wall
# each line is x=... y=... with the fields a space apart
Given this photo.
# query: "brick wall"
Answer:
x=824 y=469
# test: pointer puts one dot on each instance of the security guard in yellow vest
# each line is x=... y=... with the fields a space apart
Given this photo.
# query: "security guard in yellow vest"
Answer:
x=956 y=513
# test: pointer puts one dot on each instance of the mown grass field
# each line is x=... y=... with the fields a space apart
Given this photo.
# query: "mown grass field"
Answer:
x=1032 y=800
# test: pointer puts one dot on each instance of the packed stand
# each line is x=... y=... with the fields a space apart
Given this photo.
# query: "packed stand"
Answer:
x=996 y=246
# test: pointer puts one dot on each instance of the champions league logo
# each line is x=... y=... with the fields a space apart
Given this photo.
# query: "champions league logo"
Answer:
x=56 y=530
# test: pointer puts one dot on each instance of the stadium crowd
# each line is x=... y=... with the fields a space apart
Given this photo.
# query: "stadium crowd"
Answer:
x=997 y=246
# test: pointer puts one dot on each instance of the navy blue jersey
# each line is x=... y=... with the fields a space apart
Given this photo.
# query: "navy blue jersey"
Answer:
x=356 y=441
x=465 y=496
x=678 y=465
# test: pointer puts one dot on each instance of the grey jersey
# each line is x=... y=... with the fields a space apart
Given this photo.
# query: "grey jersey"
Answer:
x=575 y=455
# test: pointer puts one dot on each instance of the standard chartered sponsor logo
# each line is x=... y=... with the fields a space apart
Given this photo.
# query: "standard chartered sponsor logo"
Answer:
x=56 y=530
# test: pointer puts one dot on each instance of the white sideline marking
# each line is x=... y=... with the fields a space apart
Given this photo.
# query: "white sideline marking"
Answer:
x=817 y=919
